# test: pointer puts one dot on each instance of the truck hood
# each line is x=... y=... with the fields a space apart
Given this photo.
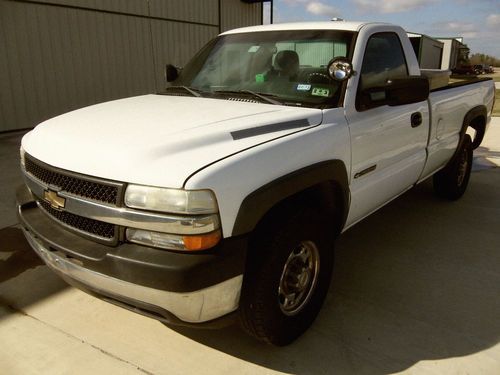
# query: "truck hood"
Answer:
x=159 y=140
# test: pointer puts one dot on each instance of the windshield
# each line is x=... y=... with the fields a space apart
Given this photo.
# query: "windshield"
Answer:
x=286 y=67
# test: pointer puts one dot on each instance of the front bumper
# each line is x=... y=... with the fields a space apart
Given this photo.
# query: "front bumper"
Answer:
x=174 y=287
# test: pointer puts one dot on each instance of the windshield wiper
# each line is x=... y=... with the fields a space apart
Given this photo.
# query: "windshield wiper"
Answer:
x=193 y=92
x=261 y=96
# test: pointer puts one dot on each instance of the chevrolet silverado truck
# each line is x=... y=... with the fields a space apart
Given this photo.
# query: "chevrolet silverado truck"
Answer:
x=220 y=198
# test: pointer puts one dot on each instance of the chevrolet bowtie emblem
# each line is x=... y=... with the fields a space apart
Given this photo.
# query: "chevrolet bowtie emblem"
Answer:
x=55 y=200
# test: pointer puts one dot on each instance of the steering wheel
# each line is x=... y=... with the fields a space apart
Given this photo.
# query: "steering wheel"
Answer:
x=318 y=78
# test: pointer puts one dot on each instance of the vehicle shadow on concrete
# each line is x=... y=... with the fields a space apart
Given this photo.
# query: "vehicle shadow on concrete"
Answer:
x=22 y=282
x=16 y=260
x=21 y=257
x=418 y=280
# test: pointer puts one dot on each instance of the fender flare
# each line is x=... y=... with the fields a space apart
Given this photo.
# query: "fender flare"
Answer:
x=259 y=202
x=479 y=111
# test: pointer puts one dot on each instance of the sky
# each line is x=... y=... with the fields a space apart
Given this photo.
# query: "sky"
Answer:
x=477 y=21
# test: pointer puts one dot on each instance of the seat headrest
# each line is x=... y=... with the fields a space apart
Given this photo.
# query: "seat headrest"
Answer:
x=287 y=62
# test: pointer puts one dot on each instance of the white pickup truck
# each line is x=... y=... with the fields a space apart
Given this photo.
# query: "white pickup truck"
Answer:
x=222 y=196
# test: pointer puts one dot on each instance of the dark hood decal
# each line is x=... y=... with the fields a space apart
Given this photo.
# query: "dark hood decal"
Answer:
x=271 y=128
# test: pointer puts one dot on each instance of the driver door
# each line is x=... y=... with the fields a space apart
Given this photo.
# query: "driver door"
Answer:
x=388 y=148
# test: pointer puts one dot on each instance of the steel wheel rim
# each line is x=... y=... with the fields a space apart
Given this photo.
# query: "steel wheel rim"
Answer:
x=299 y=278
x=462 y=167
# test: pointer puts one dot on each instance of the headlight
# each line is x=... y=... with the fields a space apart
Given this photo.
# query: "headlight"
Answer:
x=173 y=241
x=21 y=154
x=174 y=201
x=198 y=204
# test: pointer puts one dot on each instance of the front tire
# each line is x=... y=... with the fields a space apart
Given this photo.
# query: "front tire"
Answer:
x=287 y=277
x=451 y=182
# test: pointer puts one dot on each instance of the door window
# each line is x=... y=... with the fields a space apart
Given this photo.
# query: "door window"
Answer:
x=384 y=60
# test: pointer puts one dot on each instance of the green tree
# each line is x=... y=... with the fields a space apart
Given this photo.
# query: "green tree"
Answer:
x=481 y=58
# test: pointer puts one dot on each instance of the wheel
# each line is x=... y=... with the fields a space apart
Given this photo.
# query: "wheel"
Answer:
x=451 y=182
x=287 y=277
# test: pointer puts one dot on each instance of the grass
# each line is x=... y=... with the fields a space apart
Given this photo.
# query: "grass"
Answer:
x=496 y=108
x=496 y=78
x=496 y=75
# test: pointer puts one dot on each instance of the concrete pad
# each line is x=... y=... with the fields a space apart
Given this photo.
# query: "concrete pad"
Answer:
x=142 y=341
x=30 y=346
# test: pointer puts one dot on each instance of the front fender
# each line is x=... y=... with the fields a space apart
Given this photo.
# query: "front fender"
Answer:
x=259 y=202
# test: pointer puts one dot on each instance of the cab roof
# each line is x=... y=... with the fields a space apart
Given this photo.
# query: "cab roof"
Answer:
x=331 y=25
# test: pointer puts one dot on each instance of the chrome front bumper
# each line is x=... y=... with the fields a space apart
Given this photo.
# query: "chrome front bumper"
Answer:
x=193 y=307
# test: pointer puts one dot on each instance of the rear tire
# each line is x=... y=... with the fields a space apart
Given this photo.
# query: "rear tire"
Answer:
x=451 y=182
x=287 y=277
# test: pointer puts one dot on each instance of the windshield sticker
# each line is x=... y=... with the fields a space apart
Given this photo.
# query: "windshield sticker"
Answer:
x=303 y=87
x=253 y=49
x=260 y=77
x=318 y=91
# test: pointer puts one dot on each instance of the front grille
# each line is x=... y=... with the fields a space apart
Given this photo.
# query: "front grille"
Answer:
x=71 y=184
x=89 y=226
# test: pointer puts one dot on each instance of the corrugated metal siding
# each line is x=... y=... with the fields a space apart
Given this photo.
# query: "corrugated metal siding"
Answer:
x=58 y=57
x=139 y=7
x=54 y=67
x=206 y=11
x=235 y=13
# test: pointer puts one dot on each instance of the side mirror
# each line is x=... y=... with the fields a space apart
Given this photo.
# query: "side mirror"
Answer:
x=171 y=73
x=340 y=69
x=401 y=91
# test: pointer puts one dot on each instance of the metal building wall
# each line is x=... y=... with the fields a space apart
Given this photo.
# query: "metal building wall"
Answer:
x=59 y=55
x=237 y=14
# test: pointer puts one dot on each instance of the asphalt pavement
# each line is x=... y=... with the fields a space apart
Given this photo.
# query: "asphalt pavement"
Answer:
x=415 y=290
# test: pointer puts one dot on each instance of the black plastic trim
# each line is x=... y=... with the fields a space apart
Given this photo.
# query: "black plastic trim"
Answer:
x=272 y=128
x=259 y=202
x=365 y=171
x=479 y=111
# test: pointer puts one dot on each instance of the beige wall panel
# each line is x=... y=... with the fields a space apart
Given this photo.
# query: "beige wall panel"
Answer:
x=57 y=59
x=5 y=85
x=139 y=7
x=19 y=78
x=235 y=13
x=201 y=11
x=176 y=43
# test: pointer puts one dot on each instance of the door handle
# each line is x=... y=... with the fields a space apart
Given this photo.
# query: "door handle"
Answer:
x=416 y=119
